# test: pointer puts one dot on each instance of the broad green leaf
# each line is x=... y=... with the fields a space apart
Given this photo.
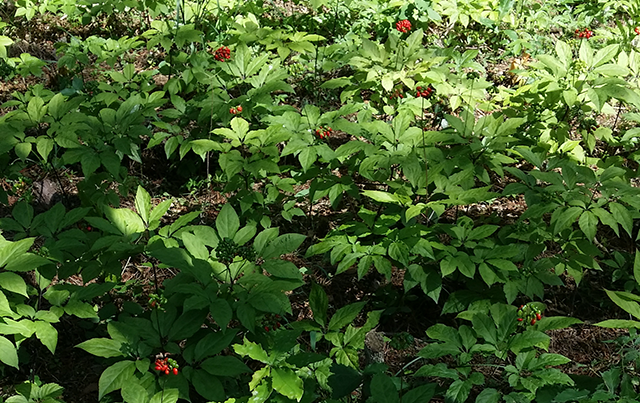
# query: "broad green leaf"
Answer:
x=44 y=145
x=221 y=312
x=283 y=244
x=619 y=324
x=529 y=338
x=345 y=315
x=47 y=334
x=636 y=267
x=556 y=322
x=227 y=222
x=114 y=377
x=489 y=395
x=143 y=204
x=604 y=55
x=550 y=360
x=485 y=328
x=213 y=343
x=421 y=394
x=12 y=250
x=383 y=390
x=8 y=352
x=626 y=301
x=282 y=269
x=564 y=218
x=622 y=215
x=225 y=365
x=588 y=223
x=287 y=383
x=102 y=347
x=133 y=392
x=380 y=196
x=252 y=350
x=458 y=391
x=14 y=283
x=166 y=396
x=318 y=302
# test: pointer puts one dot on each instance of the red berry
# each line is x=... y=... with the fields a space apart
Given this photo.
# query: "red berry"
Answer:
x=232 y=111
x=533 y=321
x=418 y=88
x=520 y=319
x=521 y=306
x=158 y=368
x=175 y=371
x=89 y=228
x=222 y=53
x=166 y=371
x=538 y=316
x=239 y=108
x=266 y=328
x=418 y=94
x=637 y=30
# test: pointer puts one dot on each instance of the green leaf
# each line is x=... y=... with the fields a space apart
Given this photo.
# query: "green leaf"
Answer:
x=345 y=315
x=47 y=334
x=626 y=301
x=11 y=250
x=8 y=352
x=604 y=55
x=143 y=204
x=283 y=244
x=227 y=222
x=619 y=324
x=114 y=377
x=14 y=283
x=319 y=303
x=221 y=312
x=102 y=347
x=287 y=383
x=549 y=360
x=564 y=218
x=636 y=267
x=252 y=350
x=133 y=392
x=588 y=223
x=528 y=339
x=282 y=269
x=44 y=145
x=458 y=391
x=421 y=394
x=383 y=390
x=213 y=343
x=489 y=395
x=382 y=197
x=485 y=328
x=622 y=216
x=556 y=322
x=225 y=365
x=80 y=309
x=166 y=396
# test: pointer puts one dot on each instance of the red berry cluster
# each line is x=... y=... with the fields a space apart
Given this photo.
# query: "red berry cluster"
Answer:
x=322 y=132
x=585 y=33
x=167 y=365
x=236 y=110
x=222 y=53
x=637 y=30
x=425 y=93
x=529 y=314
x=396 y=94
x=274 y=322
x=403 y=26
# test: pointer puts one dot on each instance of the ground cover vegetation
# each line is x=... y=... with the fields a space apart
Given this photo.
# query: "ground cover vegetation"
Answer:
x=319 y=201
